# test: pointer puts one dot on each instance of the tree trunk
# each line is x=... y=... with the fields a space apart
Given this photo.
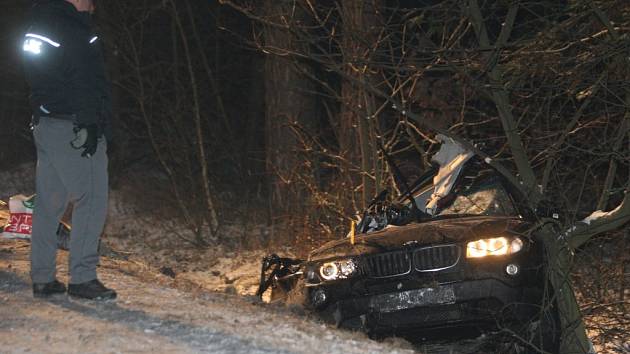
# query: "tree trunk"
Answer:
x=211 y=216
x=289 y=101
x=356 y=125
x=559 y=254
x=559 y=259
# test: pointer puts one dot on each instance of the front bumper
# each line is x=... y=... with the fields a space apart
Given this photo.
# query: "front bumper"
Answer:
x=478 y=302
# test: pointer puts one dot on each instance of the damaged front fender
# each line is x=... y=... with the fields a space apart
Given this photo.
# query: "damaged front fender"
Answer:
x=279 y=274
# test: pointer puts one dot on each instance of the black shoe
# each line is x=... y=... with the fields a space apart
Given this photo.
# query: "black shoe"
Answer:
x=48 y=289
x=92 y=290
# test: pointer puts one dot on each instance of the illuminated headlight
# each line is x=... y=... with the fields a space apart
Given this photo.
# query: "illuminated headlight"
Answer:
x=497 y=246
x=340 y=269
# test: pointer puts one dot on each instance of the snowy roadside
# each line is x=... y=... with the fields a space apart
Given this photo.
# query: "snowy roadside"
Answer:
x=150 y=317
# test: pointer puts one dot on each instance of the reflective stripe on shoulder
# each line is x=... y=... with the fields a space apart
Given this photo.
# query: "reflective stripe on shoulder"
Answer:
x=41 y=107
x=43 y=38
x=93 y=39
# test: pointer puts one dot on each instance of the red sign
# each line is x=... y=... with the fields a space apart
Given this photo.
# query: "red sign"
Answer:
x=20 y=223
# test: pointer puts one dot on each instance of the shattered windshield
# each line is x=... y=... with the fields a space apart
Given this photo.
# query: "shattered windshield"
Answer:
x=462 y=186
x=486 y=198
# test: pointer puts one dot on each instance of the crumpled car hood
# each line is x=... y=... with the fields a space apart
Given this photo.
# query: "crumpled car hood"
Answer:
x=430 y=232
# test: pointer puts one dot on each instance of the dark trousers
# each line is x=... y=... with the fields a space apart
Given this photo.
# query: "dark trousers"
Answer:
x=64 y=176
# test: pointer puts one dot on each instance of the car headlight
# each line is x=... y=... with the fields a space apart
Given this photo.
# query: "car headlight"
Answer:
x=339 y=269
x=496 y=246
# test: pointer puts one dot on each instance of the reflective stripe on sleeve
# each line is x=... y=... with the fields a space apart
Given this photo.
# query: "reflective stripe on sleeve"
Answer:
x=93 y=39
x=43 y=38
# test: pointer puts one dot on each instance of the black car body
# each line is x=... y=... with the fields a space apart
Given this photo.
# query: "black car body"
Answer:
x=473 y=263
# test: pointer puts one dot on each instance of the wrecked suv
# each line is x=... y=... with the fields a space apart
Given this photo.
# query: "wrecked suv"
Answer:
x=455 y=251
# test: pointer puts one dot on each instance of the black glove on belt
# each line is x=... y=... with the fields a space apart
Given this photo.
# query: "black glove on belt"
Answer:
x=86 y=138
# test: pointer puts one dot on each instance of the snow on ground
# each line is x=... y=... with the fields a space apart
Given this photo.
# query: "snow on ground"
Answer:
x=151 y=317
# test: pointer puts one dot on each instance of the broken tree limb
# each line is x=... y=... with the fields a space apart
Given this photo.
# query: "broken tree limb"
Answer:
x=599 y=222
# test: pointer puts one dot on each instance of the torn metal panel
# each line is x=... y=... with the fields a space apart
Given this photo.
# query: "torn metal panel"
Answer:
x=451 y=157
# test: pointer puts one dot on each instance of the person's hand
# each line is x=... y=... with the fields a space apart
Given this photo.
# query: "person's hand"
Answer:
x=86 y=138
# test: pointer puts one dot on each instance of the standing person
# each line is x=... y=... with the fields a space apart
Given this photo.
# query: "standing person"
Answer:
x=71 y=102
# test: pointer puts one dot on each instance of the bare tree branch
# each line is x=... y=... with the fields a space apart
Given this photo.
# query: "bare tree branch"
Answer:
x=501 y=99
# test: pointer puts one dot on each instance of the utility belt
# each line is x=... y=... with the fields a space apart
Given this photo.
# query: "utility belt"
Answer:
x=68 y=117
x=85 y=137
x=59 y=116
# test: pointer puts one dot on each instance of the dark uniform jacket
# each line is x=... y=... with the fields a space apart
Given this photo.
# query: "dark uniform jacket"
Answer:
x=63 y=64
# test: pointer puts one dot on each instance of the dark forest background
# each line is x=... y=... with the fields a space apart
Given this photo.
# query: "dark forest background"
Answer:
x=277 y=112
